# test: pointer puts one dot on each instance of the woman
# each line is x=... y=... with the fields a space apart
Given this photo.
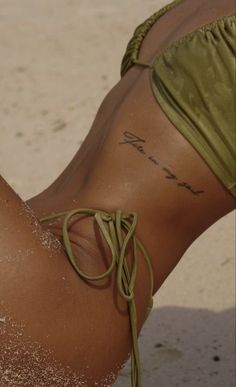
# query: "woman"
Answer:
x=161 y=147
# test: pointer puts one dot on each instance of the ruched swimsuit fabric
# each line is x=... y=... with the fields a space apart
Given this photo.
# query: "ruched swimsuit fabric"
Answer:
x=125 y=277
x=193 y=80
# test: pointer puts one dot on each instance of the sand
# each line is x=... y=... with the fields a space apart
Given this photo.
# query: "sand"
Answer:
x=59 y=58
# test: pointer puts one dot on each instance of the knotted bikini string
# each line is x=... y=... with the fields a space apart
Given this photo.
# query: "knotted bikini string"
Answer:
x=124 y=279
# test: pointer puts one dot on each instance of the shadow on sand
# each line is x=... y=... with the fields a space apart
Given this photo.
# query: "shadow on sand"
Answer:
x=186 y=347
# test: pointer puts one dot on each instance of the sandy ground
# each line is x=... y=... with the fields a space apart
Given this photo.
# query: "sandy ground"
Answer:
x=58 y=60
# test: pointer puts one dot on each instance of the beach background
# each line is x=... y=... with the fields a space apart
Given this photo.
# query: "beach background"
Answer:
x=58 y=59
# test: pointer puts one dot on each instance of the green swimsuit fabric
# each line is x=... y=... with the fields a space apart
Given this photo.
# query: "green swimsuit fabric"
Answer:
x=193 y=80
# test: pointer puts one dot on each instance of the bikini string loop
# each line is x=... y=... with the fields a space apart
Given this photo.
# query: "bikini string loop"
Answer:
x=125 y=278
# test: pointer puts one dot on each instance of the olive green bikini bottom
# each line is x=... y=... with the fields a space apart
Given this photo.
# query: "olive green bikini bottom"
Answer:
x=193 y=80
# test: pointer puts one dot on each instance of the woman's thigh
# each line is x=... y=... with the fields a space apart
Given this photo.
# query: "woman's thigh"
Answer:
x=49 y=313
x=55 y=328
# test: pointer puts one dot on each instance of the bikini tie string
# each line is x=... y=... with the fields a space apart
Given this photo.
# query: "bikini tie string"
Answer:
x=131 y=55
x=125 y=279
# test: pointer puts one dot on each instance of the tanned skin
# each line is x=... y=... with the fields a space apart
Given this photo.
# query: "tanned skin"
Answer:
x=132 y=159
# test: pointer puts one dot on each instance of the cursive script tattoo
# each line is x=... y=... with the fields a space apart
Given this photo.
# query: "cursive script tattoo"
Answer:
x=170 y=174
x=133 y=140
x=188 y=186
x=153 y=160
x=138 y=144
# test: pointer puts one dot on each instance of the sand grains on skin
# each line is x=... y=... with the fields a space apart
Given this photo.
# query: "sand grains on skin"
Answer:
x=24 y=362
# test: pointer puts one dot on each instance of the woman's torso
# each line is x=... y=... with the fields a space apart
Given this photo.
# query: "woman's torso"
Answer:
x=135 y=159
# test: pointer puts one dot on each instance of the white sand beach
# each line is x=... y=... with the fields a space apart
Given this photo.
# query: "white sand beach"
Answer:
x=59 y=58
